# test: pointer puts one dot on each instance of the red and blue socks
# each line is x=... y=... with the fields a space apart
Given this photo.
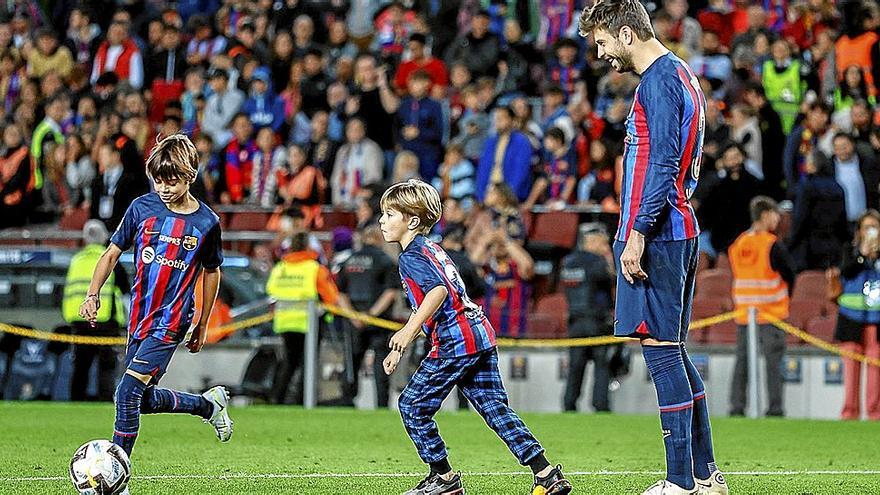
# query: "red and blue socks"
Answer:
x=676 y=410
x=701 y=432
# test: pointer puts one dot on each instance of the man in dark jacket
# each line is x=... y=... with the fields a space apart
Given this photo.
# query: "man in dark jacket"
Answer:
x=818 y=227
x=478 y=49
x=587 y=278
x=855 y=168
x=772 y=140
x=725 y=207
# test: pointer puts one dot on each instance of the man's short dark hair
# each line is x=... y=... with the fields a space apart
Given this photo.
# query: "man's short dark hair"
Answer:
x=820 y=106
x=844 y=135
x=299 y=241
x=728 y=145
x=506 y=109
x=611 y=15
x=757 y=88
x=556 y=133
x=761 y=204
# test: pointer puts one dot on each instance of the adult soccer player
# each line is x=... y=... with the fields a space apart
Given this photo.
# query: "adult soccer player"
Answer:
x=656 y=241
x=462 y=348
x=175 y=237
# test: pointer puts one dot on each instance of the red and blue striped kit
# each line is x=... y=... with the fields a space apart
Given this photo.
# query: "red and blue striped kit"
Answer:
x=459 y=327
x=170 y=251
x=664 y=147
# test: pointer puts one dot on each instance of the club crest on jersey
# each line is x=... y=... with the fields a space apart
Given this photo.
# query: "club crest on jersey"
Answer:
x=190 y=242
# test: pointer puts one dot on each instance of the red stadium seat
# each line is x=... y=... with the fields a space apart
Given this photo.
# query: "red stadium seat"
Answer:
x=811 y=285
x=543 y=326
x=556 y=228
x=249 y=220
x=555 y=305
x=720 y=333
x=74 y=220
x=713 y=283
x=801 y=312
x=333 y=219
x=823 y=327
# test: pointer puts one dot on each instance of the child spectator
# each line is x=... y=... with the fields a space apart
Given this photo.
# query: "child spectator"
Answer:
x=556 y=183
x=264 y=107
x=304 y=187
x=239 y=160
x=269 y=160
x=456 y=175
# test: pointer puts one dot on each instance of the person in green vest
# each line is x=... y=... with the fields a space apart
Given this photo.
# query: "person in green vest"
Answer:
x=48 y=128
x=111 y=317
x=294 y=280
x=784 y=83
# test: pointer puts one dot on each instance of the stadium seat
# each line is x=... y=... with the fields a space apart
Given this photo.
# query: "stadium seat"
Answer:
x=556 y=228
x=74 y=219
x=811 y=285
x=333 y=219
x=722 y=262
x=721 y=333
x=248 y=220
x=823 y=327
x=713 y=283
x=801 y=312
x=555 y=305
x=543 y=326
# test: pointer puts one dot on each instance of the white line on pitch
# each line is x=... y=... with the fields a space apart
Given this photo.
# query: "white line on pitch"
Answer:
x=415 y=475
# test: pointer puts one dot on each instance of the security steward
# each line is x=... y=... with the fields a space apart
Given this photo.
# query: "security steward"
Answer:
x=111 y=314
x=587 y=278
x=368 y=279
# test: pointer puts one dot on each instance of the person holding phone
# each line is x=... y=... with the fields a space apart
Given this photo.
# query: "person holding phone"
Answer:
x=858 y=316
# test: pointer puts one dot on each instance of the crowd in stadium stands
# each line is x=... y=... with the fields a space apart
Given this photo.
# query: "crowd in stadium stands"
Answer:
x=295 y=104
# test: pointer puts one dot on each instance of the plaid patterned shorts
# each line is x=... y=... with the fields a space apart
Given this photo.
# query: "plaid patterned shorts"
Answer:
x=479 y=379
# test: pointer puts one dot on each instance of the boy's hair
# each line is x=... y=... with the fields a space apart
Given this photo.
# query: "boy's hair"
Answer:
x=414 y=198
x=557 y=134
x=611 y=15
x=761 y=204
x=174 y=157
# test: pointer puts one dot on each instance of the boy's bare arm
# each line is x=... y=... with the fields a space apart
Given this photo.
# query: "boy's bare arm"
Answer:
x=209 y=296
x=88 y=310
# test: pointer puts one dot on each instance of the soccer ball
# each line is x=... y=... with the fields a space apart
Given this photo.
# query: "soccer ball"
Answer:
x=100 y=467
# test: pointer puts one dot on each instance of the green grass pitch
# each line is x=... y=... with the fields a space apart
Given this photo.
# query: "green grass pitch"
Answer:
x=330 y=451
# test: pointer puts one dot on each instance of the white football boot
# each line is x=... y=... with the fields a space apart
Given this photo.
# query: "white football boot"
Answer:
x=664 y=487
x=220 y=420
x=715 y=485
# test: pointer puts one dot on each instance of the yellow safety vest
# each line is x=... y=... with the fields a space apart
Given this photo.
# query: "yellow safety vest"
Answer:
x=292 y=285
x=76 y=288
x=755 y=283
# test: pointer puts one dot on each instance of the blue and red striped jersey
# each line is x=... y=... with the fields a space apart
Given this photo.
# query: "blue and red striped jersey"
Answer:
x=662 y=154
x=507 y=299
x=459 y=327
x=170 y=251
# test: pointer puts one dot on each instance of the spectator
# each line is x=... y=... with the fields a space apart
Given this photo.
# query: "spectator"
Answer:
x=269 y=162
x=296 y=277
x=587 y=279
x=394 y=24
x=725 y=208
x=420 y=60
x=220 y=108
x=204 y=45
x=501 y=210
x=48 y=131
x=556 y=115
x=858 y=316
x=455 y=178
x=338 y=44
x=83 y=36
x=685 y=30
x=373 y=102
x=805 y=139
x=598 y=185
x=566 y=72
x=48 y=55
x=239 y=165
x=506 y=158
x=192 y=101
x=856 y=170
x=862 y=125
x=314 y=83
x=851 y=87
x=557 y=16
x=406 y=166
x=281 y=59
x=555 y=184
x=79 y=171
x=421 y=124
x=321 y=149
x=763 y=274
x=304 y=187
x=369 y=280
x=712 y=62
x=524 y=122
x=784 y=85
x=519 y=63
x=264 y=107
x=507 y=269
x=358 y=163
x=855 y=45
x=113 y=189
x=818 y=225
x=772 y=140
x=745 y=130
x=473 y=125
x=166 y=67
x=120 y=55
x=15 y=178
x=757 y=26
x=12 y=77
x=478 y=49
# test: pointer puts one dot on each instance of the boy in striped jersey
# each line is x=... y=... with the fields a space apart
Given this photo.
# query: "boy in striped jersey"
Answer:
x=176 y=237
x=462 y=348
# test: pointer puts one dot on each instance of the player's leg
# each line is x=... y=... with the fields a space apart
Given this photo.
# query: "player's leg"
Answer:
x=577 y=365
x=705 y=470
x=485 y=390
x=418 y=403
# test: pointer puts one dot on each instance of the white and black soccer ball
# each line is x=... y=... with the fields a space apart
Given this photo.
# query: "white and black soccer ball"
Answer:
x=100 y=467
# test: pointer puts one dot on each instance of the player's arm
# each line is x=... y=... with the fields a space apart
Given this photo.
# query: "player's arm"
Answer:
x=406 y=335
x=89 y=308
x=210 y=287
